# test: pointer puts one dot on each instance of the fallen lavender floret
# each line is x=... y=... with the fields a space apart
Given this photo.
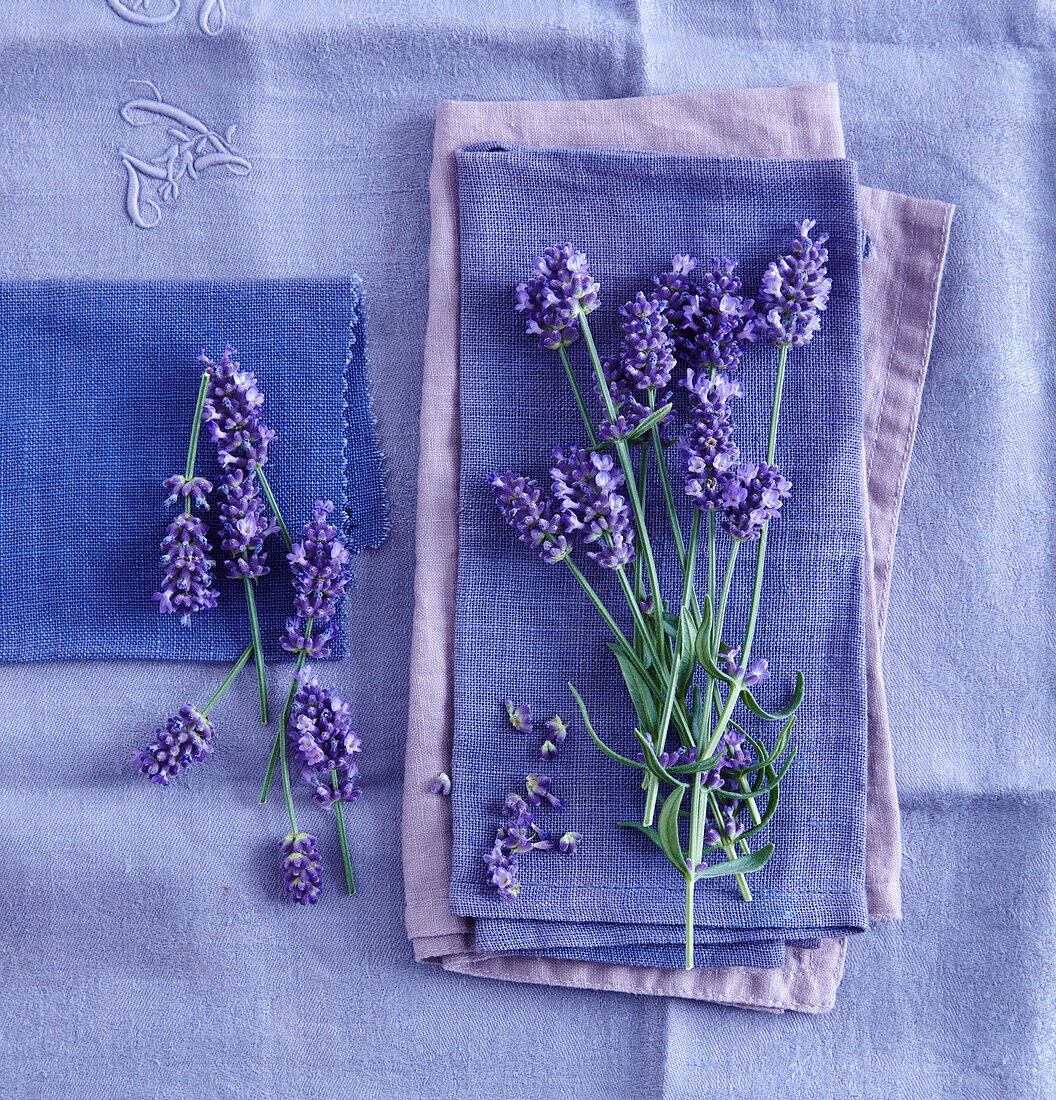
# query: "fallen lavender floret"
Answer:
x=300 y=867
x=502 y=868
x=569 y=842
x=441 y=784
x=538 y=787
x=520 y=715
x=795 y=290
x=185 y=739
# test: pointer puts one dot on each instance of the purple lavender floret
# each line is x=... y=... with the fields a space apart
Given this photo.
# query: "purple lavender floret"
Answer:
x=708 y=453
x=755 y=673
x=527 y=510
x=186 y=738
x=520 y=716
x=319 y=563
x=502 y=868
x=181 y=487
x=300 y=868
x=586 y=487
x=516 y=808
x=569 y=842
x=795 y=291
x=188 y=584
x=323 y=740
x=648 y=355
x=751 y=498
x=737 y=755
x=538 y=787
x=243 y=525
x=553 y=299
x=233 y=410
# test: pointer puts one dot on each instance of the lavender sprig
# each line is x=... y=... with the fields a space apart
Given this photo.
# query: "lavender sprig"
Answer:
x=188 y=584
x=233 y=409
x=186 y=738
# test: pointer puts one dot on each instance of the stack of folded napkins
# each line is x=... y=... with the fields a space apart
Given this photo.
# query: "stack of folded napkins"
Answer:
x=632 y=183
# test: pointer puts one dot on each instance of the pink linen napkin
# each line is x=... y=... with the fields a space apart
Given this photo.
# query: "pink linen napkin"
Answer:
x=900 y=287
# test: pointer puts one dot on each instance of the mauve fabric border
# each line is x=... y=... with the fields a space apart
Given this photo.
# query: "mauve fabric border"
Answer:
x=800 y=121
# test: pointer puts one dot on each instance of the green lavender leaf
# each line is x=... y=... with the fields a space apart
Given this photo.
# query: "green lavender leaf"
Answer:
x=639 y=690
x=739 y=866
x=667 y=829
x=786 y=711
x=596 y=739
x=645 y=830
x=652 y=761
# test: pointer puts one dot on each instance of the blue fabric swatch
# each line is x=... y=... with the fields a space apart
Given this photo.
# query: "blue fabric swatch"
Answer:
x=98 y=381
x=524 y=629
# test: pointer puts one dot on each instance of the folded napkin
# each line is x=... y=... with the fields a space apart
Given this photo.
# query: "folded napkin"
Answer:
x=104 y=377
x=901 y=283
x=523 y=629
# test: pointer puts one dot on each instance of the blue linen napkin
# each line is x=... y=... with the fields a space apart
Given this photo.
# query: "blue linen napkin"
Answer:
x=99 y=380
x=524 y=629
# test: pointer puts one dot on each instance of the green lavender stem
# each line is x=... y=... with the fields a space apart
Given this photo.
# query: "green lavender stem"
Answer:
x=577 y=393
x=228 y=680
x=660 y=740
x=624 y=455
x=339 y=815
x=192 y=448
x=274 y=506
x=757 y=583
x=258 y=649
x=278 y=748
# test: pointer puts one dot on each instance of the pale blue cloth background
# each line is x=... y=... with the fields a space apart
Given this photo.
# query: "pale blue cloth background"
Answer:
x=127 y=970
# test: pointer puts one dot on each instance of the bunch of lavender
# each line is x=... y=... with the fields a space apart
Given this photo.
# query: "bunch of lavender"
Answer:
x=233 y=410
x=698 y=319
x=316 y=721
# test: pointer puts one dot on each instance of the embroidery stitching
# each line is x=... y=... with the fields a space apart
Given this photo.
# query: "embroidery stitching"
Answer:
x=212 y=14
x=196 y=147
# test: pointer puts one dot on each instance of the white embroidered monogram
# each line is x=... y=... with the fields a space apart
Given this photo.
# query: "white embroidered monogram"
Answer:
x=212 y=14
x=195 y=148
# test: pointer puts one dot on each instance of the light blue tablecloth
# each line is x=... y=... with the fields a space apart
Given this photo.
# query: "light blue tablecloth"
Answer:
x=123 y=976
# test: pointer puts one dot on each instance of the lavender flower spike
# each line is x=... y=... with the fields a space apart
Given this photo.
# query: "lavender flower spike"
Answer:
x=751 y=498
x=323 y=740
x=188 y=584
x=233 y=411
x=648 y=356
x=561 y=291
x=707 y=450
x=530 y=514
x=586 y=486
x=319 y=562
x=187 y=737
x=795 y=291
x=300 y=868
